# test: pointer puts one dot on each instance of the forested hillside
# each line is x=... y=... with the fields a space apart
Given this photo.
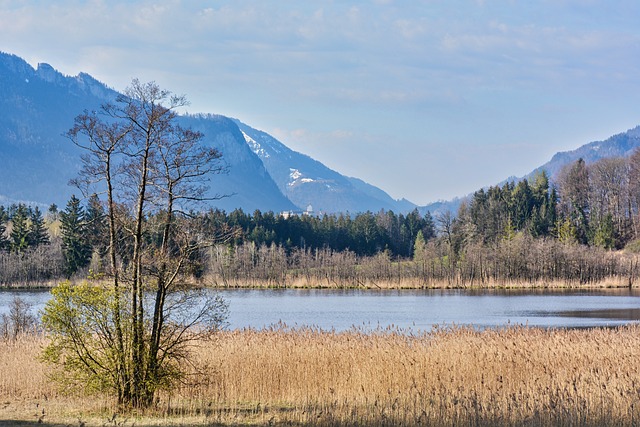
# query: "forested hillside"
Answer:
x=594 y=205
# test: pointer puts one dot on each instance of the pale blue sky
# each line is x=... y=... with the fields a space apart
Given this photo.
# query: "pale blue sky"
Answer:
x=426 y=99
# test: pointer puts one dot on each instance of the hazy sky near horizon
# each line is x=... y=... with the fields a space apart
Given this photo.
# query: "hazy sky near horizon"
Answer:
x=427 y=99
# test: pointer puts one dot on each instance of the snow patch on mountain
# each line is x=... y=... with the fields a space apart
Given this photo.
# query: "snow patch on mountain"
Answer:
x=255 y=146
x=296 y=177
x=270 y=142
x=295 y=174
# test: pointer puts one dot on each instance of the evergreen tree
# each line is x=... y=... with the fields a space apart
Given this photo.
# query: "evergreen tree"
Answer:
x=565 y=231
x=4 y=241
x=523 y=203
x=543 y=213
x=604 y=235
x=574 y=186
x=20 y=238
x=53 y=212
x=76 y=250
x=413 y=221
x=429 y=227
x=38 y=234
x=510 y=231
x=95 y=217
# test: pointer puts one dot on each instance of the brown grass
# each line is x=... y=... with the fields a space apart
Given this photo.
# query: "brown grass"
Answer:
x=416 y=283
x=515 y=376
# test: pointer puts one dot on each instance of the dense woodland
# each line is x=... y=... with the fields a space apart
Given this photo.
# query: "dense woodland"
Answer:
x=529 y=231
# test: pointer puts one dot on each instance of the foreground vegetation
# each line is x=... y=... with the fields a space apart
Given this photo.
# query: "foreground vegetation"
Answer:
x=513 y=376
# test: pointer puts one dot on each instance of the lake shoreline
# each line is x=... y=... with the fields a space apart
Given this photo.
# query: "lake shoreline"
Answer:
x=417 y=284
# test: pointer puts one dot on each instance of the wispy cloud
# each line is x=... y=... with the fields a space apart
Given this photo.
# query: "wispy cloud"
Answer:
x=421 y=72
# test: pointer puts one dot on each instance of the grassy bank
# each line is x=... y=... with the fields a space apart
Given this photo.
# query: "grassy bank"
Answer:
x=514 y=376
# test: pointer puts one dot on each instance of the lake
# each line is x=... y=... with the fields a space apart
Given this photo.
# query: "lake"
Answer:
x=413 y=309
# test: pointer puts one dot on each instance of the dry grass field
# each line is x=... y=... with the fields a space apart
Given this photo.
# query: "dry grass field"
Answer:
x=448 y=377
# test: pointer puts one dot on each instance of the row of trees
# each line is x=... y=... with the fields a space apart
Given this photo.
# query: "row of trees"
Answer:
x=523 y=260
x=594 y=205
x=364 y=233
x=28 y=229
x=33 y=254
x=84 y=232
x=600 y=203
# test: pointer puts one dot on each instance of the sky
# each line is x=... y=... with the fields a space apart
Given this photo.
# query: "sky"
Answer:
x=426 y=99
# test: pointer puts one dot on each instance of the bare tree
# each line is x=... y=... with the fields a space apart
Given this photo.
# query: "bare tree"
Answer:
x=574 y=189
x=152 y=170
x=20 y=320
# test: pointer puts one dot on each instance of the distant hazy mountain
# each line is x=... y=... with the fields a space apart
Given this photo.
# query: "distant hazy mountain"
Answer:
x=306 y=181
x=37 y=106
x=442 y=206
x=620 y=145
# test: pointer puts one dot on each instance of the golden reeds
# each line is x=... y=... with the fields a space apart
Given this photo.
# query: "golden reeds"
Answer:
x=512 y=376
x=407 y=283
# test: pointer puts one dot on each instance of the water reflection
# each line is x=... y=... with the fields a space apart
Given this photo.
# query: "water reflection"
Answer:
x=629 y=314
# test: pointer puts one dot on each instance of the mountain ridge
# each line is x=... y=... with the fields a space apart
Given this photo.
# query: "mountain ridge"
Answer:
x=39 y=105
x=619 y=145
x=306 y=181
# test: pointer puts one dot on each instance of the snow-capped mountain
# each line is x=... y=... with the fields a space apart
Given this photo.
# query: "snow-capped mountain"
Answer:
x=38 y=105
x=306 y=181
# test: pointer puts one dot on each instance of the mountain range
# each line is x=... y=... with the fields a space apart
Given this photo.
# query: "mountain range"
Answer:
x=38 y=105
x=619 y=145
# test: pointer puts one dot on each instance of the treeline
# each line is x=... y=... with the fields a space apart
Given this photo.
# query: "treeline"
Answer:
x=521 y=261
x=532 y=231
x=594 y=205
x=29 y=255
x=365 y=234
x=28 y=229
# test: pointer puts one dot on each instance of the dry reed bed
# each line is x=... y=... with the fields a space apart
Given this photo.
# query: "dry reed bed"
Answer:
x=515 y=376
x=416 y=283
x=511 y=376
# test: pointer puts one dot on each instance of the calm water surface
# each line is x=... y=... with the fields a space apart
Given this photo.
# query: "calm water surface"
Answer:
x=417 y=310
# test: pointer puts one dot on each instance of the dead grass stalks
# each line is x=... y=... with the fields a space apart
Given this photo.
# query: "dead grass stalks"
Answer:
x=513 y=376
